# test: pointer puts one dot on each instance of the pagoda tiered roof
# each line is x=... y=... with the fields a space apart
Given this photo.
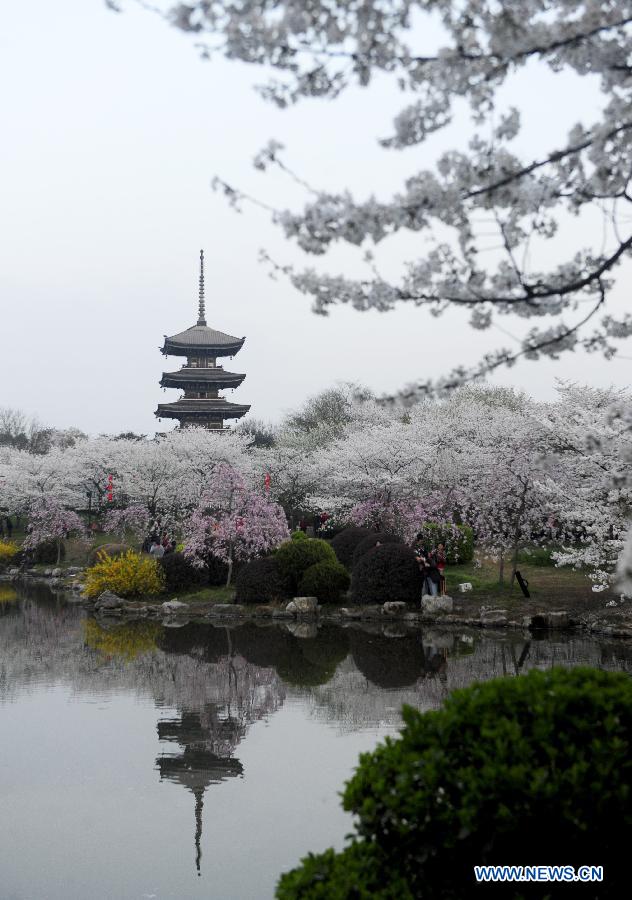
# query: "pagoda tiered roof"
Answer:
x=201 y=378
x=212 y=408
x=202 y=338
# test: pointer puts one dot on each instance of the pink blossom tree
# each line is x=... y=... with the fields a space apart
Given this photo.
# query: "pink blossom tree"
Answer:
x=50 y=521
x=233 y=522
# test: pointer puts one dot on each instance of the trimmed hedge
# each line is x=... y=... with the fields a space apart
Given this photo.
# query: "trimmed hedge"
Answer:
x=346 y=541
x=371 y=541
x=295 y=557
x=111 y=550
x=260 y=581
x=531 y=770
x=458 y=540
x=388 y=572
x=325 y=580
x=180 y=573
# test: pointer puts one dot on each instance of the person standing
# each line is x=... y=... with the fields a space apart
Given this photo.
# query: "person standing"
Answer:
x=441 y=567
x=157 y=551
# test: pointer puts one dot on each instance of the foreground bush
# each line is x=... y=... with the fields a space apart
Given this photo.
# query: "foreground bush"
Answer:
x=180 y=573
x=534 y=770
x=458 y=540
x=325 y=580
x=371 y=541
x=346 y=541
x=295 y=557
x=260 y=581
x=129 y=575
x=8 y=552
x=388 y=572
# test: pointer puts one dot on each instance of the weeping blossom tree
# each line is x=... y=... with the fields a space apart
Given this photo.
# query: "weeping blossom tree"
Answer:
x=233 y=522
x=50 y=521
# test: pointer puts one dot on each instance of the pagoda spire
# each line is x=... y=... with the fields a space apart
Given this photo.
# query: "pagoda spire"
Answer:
x=201 y=311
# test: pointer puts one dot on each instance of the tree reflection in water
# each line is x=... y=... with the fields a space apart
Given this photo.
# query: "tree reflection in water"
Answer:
x=212 y=683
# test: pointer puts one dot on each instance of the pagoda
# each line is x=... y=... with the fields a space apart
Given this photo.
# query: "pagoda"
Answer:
x=201 y=378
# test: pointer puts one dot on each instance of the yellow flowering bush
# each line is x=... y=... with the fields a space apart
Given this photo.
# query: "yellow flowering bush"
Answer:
x=7 y=595
x=129 y=575
x=125 y=641
x=7 y=551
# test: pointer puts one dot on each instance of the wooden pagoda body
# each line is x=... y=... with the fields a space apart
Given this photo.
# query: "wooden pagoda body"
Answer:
x=201 y=378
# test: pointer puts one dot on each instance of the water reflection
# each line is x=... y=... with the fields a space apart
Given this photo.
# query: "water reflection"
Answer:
x=208 y=685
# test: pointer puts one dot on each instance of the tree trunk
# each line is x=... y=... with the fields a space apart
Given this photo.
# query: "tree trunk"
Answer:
x=58 y=550
x=230 y=567
x=501 y=569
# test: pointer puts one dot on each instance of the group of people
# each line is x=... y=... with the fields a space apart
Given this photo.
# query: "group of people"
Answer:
x=157 y=546
x=431 y=564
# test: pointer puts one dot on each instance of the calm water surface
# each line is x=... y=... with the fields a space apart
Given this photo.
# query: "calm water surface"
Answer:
x=144 y=761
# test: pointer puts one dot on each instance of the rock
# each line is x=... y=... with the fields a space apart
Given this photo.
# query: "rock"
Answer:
x=494 y=619
x=282 y=614
x=291 y=607
x=226 y=609
x=170 y=606
x=431 y=604
x=558 y=619
x=56 y=573
x=57 y=582
x=347 y=612
x=465 y=586
x=371 y=612
x=394 y=607
x=108 y=600
x=13 y=572
x=302 y=630
x=396 y=630
x=48 y=573
x=611 y=603
x=74 y=570
x=263 y=610
x=304 y=605
x=173 y=623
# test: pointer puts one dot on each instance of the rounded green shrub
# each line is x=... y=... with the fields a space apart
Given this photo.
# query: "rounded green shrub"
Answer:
x=111 y=550
x=458 y=540
x=534 y=770
x=295 y=557
x=325 y=580
x=180 y=573
x=388 y=572
x=372 y=540
x=260 y=581
x=298 y=535
x=346 y=541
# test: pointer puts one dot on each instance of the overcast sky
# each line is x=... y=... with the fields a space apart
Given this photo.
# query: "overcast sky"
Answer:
x=112 y=129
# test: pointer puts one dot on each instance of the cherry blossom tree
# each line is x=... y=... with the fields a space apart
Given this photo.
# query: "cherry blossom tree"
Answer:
x=50 y=521
x=483 y=194
x=233 y=522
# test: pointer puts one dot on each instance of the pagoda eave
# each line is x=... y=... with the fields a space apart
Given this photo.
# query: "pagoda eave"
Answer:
x=210 y=410
x=201 y=379
x=196 y=349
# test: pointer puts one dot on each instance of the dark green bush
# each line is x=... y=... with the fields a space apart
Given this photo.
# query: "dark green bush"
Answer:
x=346 y=541
x=295 y=557
x=325 y=580
x=260 y=581
x=388 y=572
x=46 y=552
x=217 y=570
x=298 y=535
x=458 y=540
x=534 y=770
x=371 y=541
x=180 y=573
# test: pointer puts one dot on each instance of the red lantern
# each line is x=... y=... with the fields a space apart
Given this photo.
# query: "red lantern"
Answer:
x=266 y=481
x=110 y=489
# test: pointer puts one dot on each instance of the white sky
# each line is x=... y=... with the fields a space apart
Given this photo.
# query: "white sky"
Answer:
x=112 y=129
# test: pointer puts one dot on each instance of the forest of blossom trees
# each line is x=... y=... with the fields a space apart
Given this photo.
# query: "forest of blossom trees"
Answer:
x=520 y=472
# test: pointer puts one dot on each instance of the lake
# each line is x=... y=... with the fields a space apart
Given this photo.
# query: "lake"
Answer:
x=201 y=761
